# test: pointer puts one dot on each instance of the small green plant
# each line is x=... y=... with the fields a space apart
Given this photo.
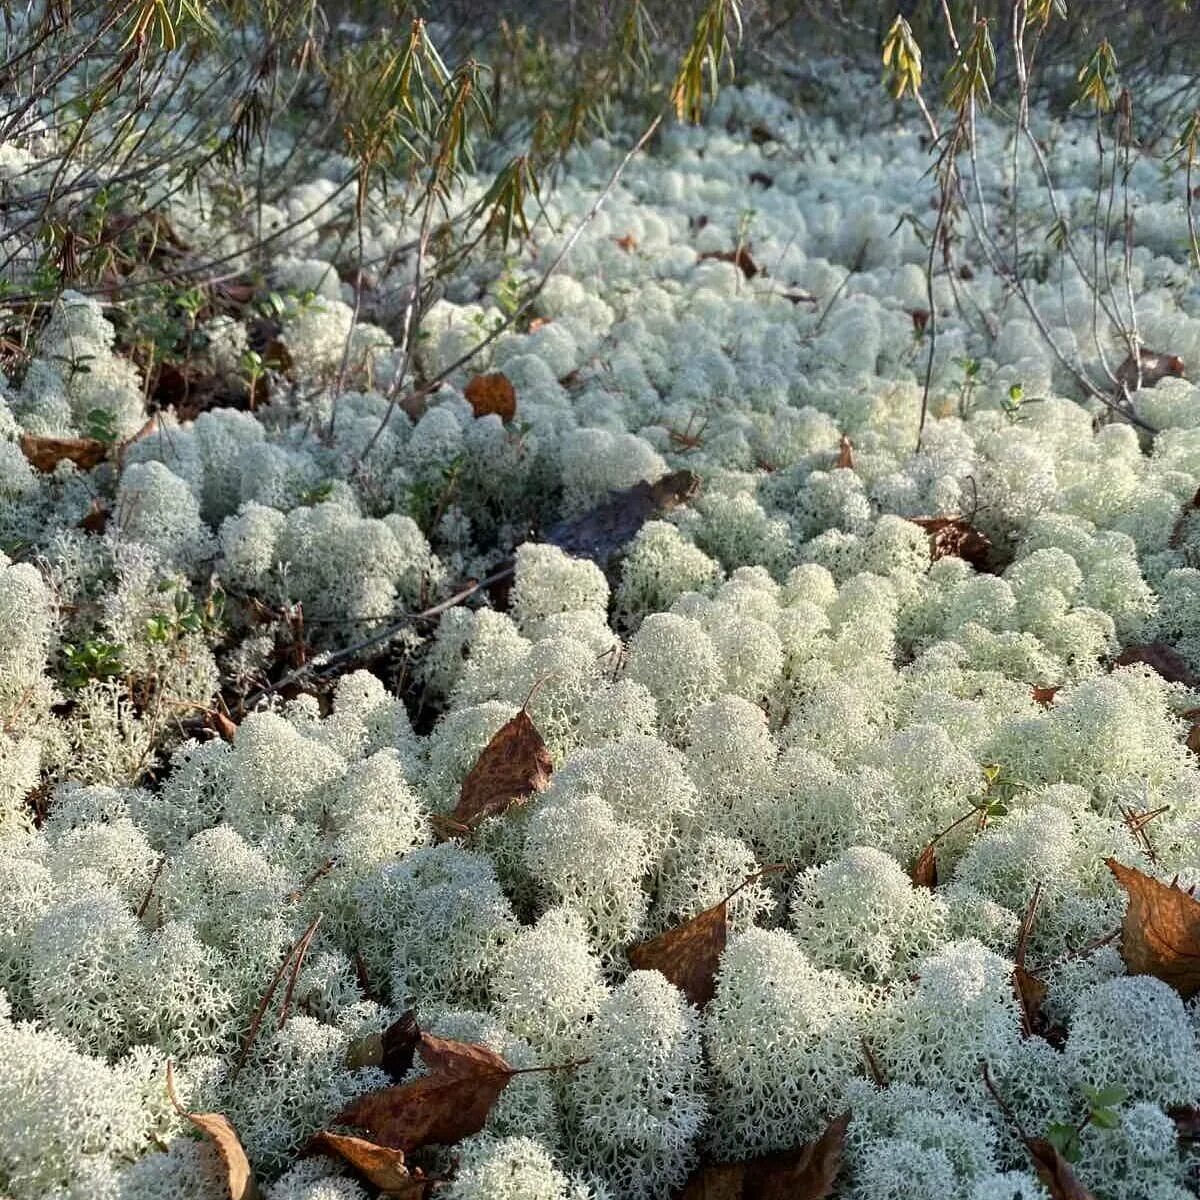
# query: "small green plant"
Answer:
x=93 y=659
x=101 y=424
x=970 y=381
x=1102 y=1112
x=185 y=616
x=318 y=494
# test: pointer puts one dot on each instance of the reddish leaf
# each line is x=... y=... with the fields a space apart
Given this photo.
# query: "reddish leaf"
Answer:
x=808 y=1172
x=1155 y=366
x=1055 y=1172
x=920 y=319
x=492 y=393
x=628 y=243
x=222 y=725
x=956 y=537
x=688 y=954
x=845 y=458
x=739 y=257
x=450 y=1103
x=95 y=520
x=239 y=1179
x=1044 y=695
x=513 y=766
x=1031 y=993
x=379 y=1165
x=924 y=872
x=1187 y=1124
x=45 y=453
x=539 y=323
x=1160 y=935
x=1168 y=662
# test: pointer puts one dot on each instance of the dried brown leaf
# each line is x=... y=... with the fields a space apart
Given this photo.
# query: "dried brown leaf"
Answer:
x=1155 y=366
x=1031 y=993
x=1187 y=1124
x=1193 y=738
x=1164 y=659
x=845 y=458
x=957 y=537
x=492 y=393
x=513 y=766
x=236 y=1166
x=1044 y=695
x=924 y=872
x=808 y=1172
x=45 y=453
x=441 y=1108
x=1055 y=1172
x=628 y=243
x=740 y=258
x=600 y=533
x=380 y=1165
x=1160 y=935
x=688 y=954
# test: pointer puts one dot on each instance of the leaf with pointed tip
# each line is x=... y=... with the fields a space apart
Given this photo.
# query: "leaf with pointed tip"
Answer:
x=513 y=766
x=1031 y=992
x=239 y=1178
x=808 y=1172
x=1160 y=935
x=924 y=872
x=845 y=458
x=688 y=954
x=1055 y=1172
x=379 y=1165
x=492 y=393
x=1044 y=695
x=441 y=1108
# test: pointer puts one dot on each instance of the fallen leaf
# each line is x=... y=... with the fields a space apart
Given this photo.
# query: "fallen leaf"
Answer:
x=95 y=520
x=539 y=323
x=1185 y=511
x=1187 y=1124
x=1044 y=695
x=808 y=1172
x=239 y=1179
x=1193 y=738
x=845 y=458
x=740 y=258
x=1055 y=1172
x=924 y=872
x=762 y=178
x=45 y=453
x=614 y=522
x=492 y=393
x=441 y=1108
x=1154 y=366
x=956 y=537
x=1168 y=662
x=222 y=725
x=1031 y=993
x=1160 y=935
x=513 y=766
x=688 y=954
x=379 y=1165
x=628 y=243
x=920 y=319
x=400 y=1041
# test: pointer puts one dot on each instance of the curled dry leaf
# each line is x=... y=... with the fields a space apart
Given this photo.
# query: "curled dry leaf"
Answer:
x=600 y=533
x=739 y=257
x=924 y=872
x=845 y=458
x=238 y=1176
x=1160 y=935
x=1160 y=657
x=1055 y=1172
x=379 y=1165
x=492 y=393
x=45 y=453
x=957 y=537
x=809 y=1172
x=688 y=954
x=1044 y=695
x=513 y=766
x=628 y=243
x=441 y=1108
